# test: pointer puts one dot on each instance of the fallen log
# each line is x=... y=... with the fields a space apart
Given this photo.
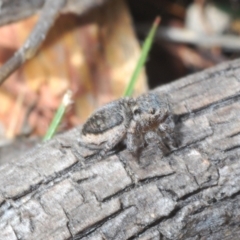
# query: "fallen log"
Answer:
x=192 y=193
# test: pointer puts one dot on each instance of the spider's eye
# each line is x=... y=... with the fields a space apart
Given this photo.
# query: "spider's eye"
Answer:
x=153 y=111
x=136 y=111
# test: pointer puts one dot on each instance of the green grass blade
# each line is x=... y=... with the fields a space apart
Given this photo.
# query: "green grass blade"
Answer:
x=145 y=50
x=58 y=116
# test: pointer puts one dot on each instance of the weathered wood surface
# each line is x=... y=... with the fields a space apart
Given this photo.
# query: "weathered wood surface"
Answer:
x=193 y=193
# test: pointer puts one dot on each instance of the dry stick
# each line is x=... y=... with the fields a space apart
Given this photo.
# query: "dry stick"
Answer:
x=47 y=18
x=50 y=11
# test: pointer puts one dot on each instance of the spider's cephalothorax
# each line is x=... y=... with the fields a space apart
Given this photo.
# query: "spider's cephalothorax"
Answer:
x=149 y=111
x=127 y=120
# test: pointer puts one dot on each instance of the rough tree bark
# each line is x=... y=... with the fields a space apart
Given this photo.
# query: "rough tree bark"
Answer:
x=193 y=193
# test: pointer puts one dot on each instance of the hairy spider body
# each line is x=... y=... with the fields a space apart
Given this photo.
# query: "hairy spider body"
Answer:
x=130 y=121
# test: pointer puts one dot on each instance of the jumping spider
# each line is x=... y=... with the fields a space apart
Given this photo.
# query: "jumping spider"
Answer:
x=134 y=122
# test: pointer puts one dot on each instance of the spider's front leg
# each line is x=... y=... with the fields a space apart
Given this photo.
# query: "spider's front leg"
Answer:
x=166 y=132
x=134 y=140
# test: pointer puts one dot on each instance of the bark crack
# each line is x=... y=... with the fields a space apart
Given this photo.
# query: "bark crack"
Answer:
x=155 y=223
x=133 y=186
x=209 y=107
x=89 y=230
x=231 y=148
x=44 y=185
x=235 y=134
x=128 y=170
x=16 y=235
x=68 y=222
